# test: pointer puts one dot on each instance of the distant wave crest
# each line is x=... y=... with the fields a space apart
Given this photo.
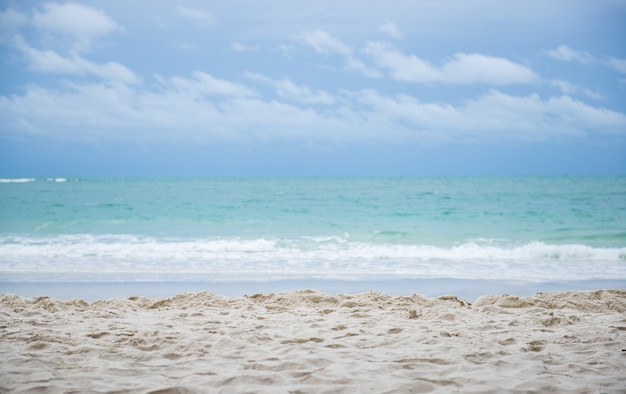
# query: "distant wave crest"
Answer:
x=17 y=180
x=28 y=180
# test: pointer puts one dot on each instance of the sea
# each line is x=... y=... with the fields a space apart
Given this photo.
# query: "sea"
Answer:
x=260 y=229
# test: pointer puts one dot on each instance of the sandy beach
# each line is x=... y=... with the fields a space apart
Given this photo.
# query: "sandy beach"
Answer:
x=308 y=341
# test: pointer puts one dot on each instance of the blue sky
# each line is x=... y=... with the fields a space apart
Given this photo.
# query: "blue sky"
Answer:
x=312 y=88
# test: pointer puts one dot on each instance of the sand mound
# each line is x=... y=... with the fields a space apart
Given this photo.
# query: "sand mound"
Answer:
x=306 y=341
x=597 y=301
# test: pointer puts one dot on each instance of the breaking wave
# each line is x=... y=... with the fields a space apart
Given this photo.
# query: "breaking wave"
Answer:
x=136 y=258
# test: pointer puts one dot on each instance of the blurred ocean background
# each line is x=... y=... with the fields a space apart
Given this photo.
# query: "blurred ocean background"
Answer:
x=137 y=229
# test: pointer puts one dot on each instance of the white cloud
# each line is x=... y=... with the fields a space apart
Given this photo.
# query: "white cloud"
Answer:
x=570 y=89
x=285 y=50
x=203 y=109
x=566 y=53
x=72 y=25
x=324 y=43
x=543 y=118
x=462 y=69
x=239 y=47
x=75 y=19
x=390 y=29
x=498 y=116
x=77 y=25
x=406 y=68
x=565 y=87
x=476 y=68
x=48 y=61
x=617 y=64
x=200 y=18
x=109 y=112
x=10 y=19
x=285 y=88
x=357 y=65
x=203 y=84
x=101 y=94
x=592 y=95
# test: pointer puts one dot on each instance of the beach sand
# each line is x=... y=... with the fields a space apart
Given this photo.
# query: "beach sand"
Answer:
x=308 y=341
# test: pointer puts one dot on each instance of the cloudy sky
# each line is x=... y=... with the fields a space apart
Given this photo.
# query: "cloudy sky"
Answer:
x=283 y=87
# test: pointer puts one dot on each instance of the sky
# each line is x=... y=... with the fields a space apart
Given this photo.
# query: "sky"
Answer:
x=283 y=87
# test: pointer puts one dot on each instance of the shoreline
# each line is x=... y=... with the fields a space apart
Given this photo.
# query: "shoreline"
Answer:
x=468 y=289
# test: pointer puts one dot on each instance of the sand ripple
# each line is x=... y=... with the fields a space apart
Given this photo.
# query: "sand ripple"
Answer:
x=306 y=341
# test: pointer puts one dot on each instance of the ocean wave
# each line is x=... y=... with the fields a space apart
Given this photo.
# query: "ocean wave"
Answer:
x=17 y=180
x=29 y=180
x=313 y=257
x=339 y=246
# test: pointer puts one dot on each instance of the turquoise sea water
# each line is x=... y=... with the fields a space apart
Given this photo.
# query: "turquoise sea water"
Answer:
x=232 y=229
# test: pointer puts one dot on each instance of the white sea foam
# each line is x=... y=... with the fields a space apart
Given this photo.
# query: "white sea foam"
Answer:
x=28 y=180
x=17 y=180
x=330 y=258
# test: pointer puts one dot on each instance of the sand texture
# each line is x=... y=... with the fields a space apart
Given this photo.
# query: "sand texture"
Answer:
x=307 y=341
